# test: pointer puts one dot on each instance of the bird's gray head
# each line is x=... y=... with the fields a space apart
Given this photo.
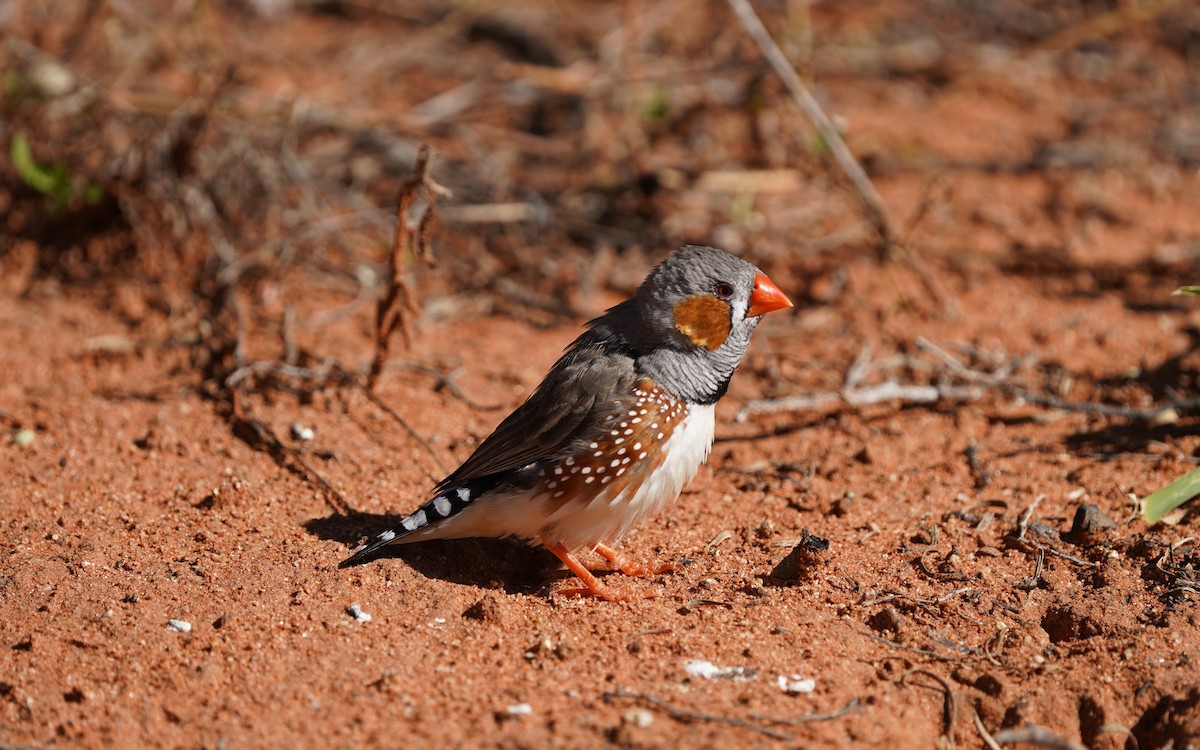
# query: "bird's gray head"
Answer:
x=694 y=315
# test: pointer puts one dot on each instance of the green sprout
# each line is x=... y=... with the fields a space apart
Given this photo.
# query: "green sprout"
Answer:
x=1162 y=502
x=52 y=181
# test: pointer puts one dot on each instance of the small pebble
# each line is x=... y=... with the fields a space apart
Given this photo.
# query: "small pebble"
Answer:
x=710 y=671
x=1090 y=524
x=300 y=432
x=355 y=611
x=520 y=709
x=638 y=717
x=179 y=626
x=795 y=684
x=51 y=78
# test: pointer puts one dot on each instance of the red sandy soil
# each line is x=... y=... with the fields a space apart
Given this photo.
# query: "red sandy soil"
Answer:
x=128 y=502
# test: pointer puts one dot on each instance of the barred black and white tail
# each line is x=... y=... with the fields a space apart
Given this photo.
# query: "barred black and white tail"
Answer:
x=438 y=509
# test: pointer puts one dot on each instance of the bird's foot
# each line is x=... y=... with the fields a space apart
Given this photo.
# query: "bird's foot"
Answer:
x=591 y=584
x=641 y=570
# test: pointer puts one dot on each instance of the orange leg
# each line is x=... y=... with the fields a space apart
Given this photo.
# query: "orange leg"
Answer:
x=618 y=562
x=592 y=585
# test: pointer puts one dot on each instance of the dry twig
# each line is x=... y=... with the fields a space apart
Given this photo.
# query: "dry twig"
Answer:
x=988 y=739
x=1031 y=583
x=1023 y=521
x=983 y=476
x=398 y=301
x=1000 y=380
x=978 y=383
x=328 y=372
x=849 y=708
x=812 y=110
x=1035 y=735
x=865 y=396
x=680 y=714
x=276 y=447
x=950 y=706
x=1026 y=542
x=902 y=647
x=407 y=427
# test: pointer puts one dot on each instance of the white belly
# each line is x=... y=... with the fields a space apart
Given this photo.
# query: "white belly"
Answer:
x=613 y=513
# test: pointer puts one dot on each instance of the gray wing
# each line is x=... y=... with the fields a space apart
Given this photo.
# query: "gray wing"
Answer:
x=582 y=387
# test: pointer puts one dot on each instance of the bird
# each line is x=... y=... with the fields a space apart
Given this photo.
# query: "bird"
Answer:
x=620 y=424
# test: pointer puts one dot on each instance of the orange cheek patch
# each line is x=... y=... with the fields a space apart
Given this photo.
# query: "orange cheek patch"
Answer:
x=704 y=320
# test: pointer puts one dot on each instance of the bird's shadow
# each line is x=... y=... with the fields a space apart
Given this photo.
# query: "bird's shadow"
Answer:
x=507 y=564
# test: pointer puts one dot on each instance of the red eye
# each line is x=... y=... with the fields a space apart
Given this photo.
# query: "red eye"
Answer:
x=724 y=290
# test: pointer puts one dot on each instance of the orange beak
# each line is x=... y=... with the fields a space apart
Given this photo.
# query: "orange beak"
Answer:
x=766 y=297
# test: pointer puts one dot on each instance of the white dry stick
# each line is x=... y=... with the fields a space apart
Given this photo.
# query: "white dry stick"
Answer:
x=812 y=110
x=913 y=394
x=490 y=213
x=1035 y=735
x=1023 y=521
x=860 y=367
x=916 y=394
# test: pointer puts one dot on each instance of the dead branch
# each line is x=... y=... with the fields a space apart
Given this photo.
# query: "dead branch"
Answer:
x=226 y=352
x=944 y=572
x=684 y=715
x=958 y=368
x=1068 y=557
x=812 y=110
x=398 y=302
x=1103 y=25
x=950 y=707
x=849 y=708
x=978 y=383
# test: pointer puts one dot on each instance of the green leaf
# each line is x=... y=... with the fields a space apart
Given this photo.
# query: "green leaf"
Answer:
x=1194 y=290
x=1162 y=502
x=45 y=181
